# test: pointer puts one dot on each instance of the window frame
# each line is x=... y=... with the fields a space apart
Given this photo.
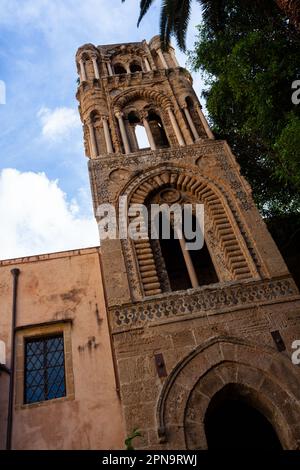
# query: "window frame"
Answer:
x=43 y=369
x=32 y=332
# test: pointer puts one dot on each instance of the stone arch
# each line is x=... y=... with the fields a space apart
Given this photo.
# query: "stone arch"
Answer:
x=224 y=228
x=119 y=68
x=149 y=95
x=143 y=102
x=135 y=66
x=267 y=377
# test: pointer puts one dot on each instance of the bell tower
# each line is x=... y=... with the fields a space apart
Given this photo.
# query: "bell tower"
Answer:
x=185 y=326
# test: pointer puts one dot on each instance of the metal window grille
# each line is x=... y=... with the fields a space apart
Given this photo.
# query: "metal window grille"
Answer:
x=44 y=369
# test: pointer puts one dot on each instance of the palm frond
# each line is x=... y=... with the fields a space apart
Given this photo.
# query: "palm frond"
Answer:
x=144 y=7
x=181 y=22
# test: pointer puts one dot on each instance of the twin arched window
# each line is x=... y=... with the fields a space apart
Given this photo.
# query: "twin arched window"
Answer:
x=134 y=67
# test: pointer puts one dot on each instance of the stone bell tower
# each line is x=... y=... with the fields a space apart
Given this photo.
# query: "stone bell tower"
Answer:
x=192 y=332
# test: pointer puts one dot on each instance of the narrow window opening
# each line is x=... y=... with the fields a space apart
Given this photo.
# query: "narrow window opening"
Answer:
x=141 y=137
x=119 y=69
x=175 y=263
x=158 y=131
x=135 y=67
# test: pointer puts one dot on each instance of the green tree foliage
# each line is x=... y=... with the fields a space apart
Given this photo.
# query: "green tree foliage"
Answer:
x=249 y=62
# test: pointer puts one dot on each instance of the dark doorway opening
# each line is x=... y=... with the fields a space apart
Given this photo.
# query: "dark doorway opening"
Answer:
x=232 y=423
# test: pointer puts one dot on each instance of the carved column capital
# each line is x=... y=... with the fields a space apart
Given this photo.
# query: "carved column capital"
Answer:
x=119 y=114
x=143 y=115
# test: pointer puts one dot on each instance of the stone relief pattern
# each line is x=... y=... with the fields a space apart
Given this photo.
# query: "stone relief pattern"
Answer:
x=132 y=271
x=202 y=300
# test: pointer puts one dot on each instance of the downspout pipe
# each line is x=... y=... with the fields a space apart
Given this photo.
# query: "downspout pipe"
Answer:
x=15 y=273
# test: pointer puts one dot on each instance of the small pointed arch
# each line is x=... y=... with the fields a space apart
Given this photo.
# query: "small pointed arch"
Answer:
x=119 y=69
x=139 y=134
x=95 y=117
x=190 y=102
x=135 y=66
x=85 y=56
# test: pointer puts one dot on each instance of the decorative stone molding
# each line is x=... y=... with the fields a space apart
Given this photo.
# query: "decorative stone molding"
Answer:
x=197 y=302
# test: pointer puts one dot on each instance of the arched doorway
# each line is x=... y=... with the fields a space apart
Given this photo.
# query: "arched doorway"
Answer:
x=233 y=422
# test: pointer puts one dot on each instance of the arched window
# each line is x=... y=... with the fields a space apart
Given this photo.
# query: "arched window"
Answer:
x=135 y=67
x=158 y=131
x=192 y=119
x=119 y=69
x=189 y=102
x=96 y=122
x=138 y=132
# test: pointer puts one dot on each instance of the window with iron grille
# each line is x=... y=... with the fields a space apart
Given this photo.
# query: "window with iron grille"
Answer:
x=44 y=369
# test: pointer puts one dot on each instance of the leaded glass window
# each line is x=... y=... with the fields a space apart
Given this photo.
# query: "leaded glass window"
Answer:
x=44 y=369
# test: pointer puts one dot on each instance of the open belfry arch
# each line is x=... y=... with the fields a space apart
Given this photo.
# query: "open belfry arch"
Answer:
x=191 y=331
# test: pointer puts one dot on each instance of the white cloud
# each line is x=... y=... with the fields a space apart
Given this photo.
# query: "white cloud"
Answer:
x=58 y=123
x=37 y=218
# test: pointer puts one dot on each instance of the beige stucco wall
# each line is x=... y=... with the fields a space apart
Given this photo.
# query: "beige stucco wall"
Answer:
x=56 y=288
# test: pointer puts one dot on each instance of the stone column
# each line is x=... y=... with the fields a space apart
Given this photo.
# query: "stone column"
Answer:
x=173 y=55
x=125 y=141
x=135 y=141
x=204 y=122
x=96 y=69
x=190 y=121
x=188 y=262
x=162 y=58
x=146 y=61
x=93 y=143
x=108 y=141
x=109 y=69
x=148 y=132
x=176 y=128
x=82 y=71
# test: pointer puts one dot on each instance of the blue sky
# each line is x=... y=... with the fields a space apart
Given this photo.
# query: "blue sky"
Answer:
x=45 y=201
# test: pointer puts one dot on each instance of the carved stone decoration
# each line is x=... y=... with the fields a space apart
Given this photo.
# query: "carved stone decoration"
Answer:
x=170 y=196
x=196 y=302
x=119 y=175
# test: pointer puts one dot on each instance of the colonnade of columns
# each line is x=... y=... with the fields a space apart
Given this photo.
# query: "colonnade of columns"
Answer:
x=93 y=141
x=147 y=66
x=144 y=118
x=145 y=122
x=83 y=74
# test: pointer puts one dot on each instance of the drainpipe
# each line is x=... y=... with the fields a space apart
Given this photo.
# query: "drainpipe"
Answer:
x=15 y=273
